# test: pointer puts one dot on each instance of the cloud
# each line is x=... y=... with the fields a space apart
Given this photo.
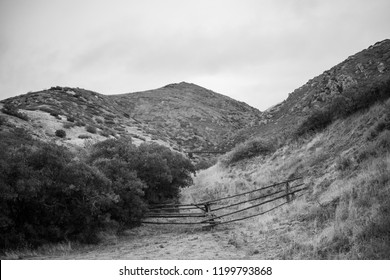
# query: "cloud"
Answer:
x=256 y=51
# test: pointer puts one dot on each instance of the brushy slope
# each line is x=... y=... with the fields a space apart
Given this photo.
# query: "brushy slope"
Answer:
x=344 y=214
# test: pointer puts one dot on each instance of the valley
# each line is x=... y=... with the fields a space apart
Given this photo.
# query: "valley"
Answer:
x=334 y=131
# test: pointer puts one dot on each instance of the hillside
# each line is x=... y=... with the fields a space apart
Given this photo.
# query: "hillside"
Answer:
x=363 y=71
x=182 y=116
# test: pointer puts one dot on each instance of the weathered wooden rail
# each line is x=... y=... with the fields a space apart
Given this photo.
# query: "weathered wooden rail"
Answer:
x=206 y=213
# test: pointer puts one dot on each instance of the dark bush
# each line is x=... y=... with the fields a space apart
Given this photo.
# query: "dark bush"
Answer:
x=61 y=133
x=84 y=136
x=70 y=119
x=80 y=123
x=91 y=129
x=249 y=149
x=163 y=171
x=3 y=120
x=355 y=99
x=48 y=197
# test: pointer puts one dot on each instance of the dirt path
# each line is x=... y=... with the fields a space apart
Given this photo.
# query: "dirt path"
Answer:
x=234 y=241
x=161 y=242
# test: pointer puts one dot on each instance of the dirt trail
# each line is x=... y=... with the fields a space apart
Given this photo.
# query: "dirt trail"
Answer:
x=172 y=242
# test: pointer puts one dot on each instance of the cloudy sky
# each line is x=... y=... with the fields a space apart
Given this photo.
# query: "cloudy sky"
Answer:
x=256 y=51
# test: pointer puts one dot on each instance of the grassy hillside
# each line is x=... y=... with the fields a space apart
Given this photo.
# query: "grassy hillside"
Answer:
x=344 y=214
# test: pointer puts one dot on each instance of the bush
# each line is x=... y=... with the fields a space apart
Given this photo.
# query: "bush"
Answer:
x=11 y=110
x=84 y=136
x=80 y=123
x=163 y=171
x=316 y=122
x=70 y=119
x=91 y=129
x=68 y=125
x=48 y=197
x=3 y=120
x=355 y=99
x=249 y=149
x=61 y=133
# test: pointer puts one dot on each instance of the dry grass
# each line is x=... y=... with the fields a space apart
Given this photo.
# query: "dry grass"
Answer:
x=345 y=213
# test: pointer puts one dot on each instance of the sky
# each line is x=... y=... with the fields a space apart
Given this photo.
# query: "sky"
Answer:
x=255 y=51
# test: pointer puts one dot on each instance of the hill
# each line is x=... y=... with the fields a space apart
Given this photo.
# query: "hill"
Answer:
x=334 y=132
x=363 y=72
x=182 y=116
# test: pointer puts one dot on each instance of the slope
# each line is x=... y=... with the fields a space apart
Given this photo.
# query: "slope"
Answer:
x=182 y=116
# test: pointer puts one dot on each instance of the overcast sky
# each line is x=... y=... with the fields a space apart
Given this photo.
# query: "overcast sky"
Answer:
x=256 y=51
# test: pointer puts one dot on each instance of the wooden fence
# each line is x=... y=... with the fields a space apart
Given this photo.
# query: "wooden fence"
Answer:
x=210 y=212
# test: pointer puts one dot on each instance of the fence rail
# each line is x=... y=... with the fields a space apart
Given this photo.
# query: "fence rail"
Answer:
x=208 y=211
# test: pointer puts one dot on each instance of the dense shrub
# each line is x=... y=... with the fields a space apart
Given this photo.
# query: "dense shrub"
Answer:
x=249 y=149
x=355 y=99
x=163 y=171
x=70 y=119
x=48 y=197
x=61 y=133
x=11 y=110
x=80 y=123
x=317 y=121
x=3 y=120
x=84 y=136
x=91 y=129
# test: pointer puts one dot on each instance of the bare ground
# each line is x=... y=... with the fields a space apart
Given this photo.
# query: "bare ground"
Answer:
x=153 y=242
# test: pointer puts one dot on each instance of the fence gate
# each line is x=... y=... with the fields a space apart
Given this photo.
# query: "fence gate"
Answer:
x=213 y=212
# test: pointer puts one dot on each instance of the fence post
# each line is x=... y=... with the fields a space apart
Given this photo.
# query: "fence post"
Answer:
x=207 y=207
x=287 y=192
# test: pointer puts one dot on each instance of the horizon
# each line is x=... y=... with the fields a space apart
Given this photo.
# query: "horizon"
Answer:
x=268 y=50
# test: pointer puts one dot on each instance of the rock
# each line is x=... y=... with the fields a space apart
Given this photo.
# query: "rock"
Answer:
x=381 y=67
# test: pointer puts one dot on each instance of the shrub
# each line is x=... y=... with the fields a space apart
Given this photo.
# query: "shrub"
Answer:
x=84 y=136
x=91 y=129
x=11 y=110
x=70 y=119
x=48 y=197
x=61 y=133
x=80 y=123
x=317 y=121
x=163 y=171
x=355 y=99
x=249 y=149
x=3 y=120
x=68 y=125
